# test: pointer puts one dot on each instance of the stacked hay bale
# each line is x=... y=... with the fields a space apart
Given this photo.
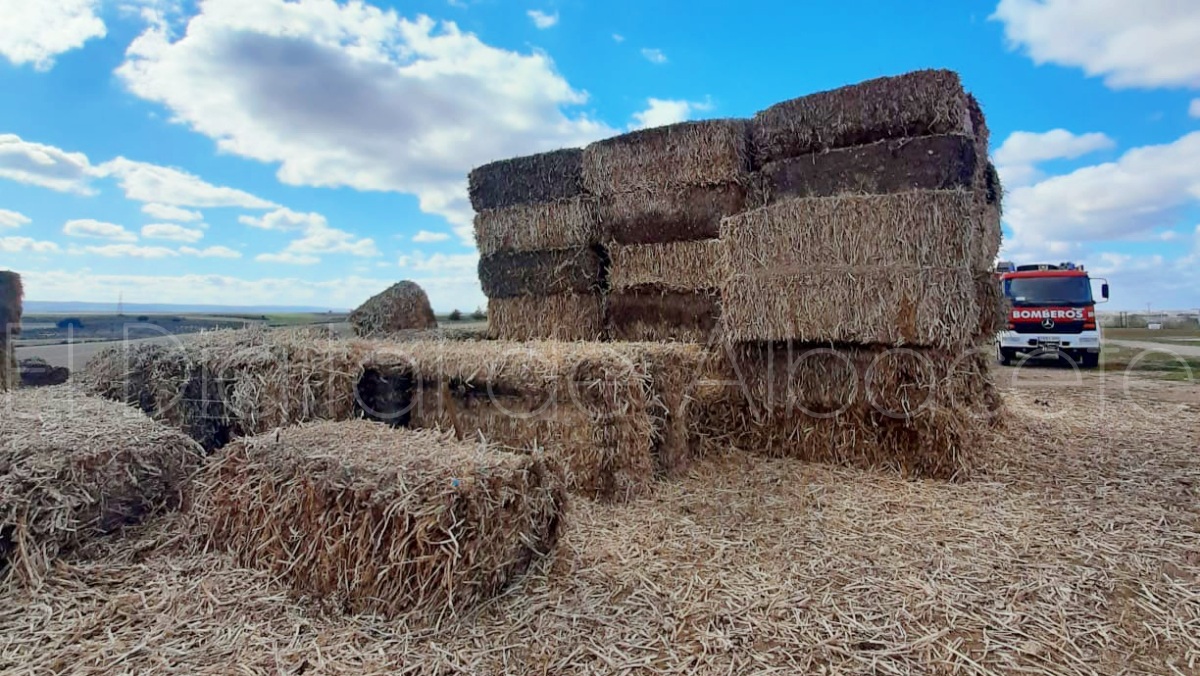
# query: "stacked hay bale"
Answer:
x=404 y=306
x=862 y=287
x=10 y=325
x=75 y=467
x=661 y=194
x=537 y=232
x=368 y=519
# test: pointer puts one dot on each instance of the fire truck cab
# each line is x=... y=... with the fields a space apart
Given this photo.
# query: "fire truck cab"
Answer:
x=1051 y=313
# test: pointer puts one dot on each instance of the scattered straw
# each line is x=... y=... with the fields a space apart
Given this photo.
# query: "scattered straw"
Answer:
x=75 y=467
x=402 y=306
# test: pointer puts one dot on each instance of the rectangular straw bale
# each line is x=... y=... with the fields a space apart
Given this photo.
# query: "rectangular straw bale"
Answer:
x=544 y=177
x=11 y=295
x=650 y=314
x=74 y=468
x=993 y=310
x=943 y=162
x=369 y=519
x=561 y=224
x=676 y=266
x=677 y=215
x=704 y=153
x=921 y=103
x=565 y=316
x=888 y=305
x=583 y=403
x=917 y=228
x=541 y=273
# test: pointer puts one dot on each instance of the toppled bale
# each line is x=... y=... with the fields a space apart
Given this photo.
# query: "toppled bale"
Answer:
x=404 y=306
x=37 y=372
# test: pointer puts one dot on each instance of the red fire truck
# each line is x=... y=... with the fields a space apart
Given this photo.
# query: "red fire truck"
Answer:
x=1052 y=313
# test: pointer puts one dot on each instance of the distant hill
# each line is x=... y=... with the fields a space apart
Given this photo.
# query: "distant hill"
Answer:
x=66 y=307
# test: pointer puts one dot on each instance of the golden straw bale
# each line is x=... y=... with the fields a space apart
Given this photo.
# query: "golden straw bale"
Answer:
x=402 y=306
x=676 y=215
x=919 y=103
x=565 y=316
x=709 y=152
x=368 y=519
x=561 y=224
x=674 y=266
x=74 y=468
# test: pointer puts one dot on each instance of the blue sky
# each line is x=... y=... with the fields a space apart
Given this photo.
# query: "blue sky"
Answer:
x=312 y=152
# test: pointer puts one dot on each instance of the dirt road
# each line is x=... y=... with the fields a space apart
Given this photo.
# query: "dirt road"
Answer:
x=75 y=356
x=1181 y=350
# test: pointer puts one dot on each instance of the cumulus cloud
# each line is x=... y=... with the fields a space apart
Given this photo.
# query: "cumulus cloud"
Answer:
x=654 y=55
x=543 y=20
x=666 y=111
x=43 y=165
x=618 y=38
x=144 y=182
x=210 y=252
x=284 y=220
x=172 y=232
x=419 y=261
x=386 y=103
x=169 y=213
x=317 y=237
x=336 y=293
x=1194 y=108
x=26 y=245
x=288 y=258
x=1019 y=155
x=1145 y=44
x=128 y=251
x=1146 y=189
x=94 y=229
x=36 y=31
x=12 y=219
x=427 y=237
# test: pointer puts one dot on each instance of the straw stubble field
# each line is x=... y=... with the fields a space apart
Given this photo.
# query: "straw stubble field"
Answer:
x=1071 y=549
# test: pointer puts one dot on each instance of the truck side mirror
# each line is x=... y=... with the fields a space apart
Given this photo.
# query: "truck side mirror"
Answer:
x=1104 y=291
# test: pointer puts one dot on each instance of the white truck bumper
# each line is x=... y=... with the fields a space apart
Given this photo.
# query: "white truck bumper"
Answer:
x=1088 y=341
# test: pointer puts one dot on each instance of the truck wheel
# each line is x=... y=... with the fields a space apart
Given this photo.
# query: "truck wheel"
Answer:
x=1003 y=356
x=1089 y=360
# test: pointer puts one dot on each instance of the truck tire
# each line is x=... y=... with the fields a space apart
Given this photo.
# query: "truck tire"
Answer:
x=1089 y=360
x=1003 y=357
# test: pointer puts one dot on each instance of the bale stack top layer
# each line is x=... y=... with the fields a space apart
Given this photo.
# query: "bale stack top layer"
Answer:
x=920 y=103
x=372 y=519
x=75 y=467
x=710 y=152
x=403 y=306
x=545 y=177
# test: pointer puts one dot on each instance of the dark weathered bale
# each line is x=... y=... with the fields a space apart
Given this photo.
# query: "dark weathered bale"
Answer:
x=941 y=162
x=649 y=314
x=541 y=273
x=920 y=103
x=680 y=215
x=37 y=372
x=524 y=180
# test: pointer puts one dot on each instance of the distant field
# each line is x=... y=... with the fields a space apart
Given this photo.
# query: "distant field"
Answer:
x=1118 y=359
x=47 y=329
x=1147 y=334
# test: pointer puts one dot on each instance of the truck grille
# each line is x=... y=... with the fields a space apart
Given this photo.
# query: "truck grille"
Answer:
x=1059 y=327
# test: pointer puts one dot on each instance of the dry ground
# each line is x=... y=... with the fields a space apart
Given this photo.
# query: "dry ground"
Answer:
x=1073 y=549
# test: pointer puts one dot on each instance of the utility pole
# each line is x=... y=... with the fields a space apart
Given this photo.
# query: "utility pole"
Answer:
x=120 y=303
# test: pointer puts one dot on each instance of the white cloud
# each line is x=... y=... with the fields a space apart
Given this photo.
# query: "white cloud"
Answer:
x=144 y=182
x=210 y=252
x=128 y=251
x=172 y=232
x=666 y=111
x=1146 y=189
x=654 y=55
x=343 y=293
x=12 y=219
x=618 y=38
x=285 y=220
x=45 y=166
x=1018 y=157
x=287 y=258
x=1194 y=108
x=427 y=237
x=26 y=245
x=1151 y=43
x=543 y=20
x=170 y=213
x=419 y=261
x=94 y=229
x=36 y=31
x=386 y=103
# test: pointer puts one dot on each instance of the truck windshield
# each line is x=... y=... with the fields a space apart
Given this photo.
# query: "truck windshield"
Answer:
x=1066 y=291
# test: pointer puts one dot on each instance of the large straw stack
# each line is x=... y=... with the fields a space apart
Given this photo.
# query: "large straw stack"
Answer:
x=74 y=468
x=537 y=234
x=661 y=195
x=10 y=325
x=368 y=519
